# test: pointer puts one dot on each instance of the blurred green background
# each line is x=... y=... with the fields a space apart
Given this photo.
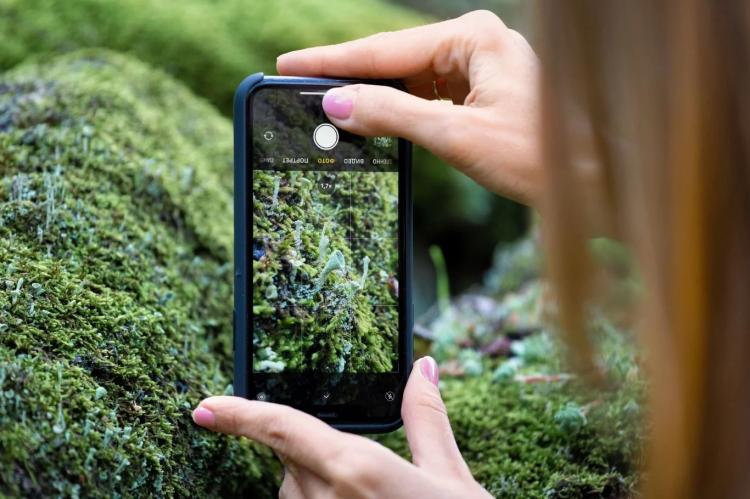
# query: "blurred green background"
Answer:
x=210 y=45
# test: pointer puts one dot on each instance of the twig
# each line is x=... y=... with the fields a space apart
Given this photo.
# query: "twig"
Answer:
x=542 y=378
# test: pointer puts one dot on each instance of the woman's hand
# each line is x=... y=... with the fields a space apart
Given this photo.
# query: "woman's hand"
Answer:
x=476 y=61
x=323 y=462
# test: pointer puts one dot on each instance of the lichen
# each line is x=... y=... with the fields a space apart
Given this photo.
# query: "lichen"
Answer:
x=335 y=262
x=323 y=245
x=318 y=248
x=365 y=269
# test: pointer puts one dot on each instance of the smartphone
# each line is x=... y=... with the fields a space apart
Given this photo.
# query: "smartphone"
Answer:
x=323 y=248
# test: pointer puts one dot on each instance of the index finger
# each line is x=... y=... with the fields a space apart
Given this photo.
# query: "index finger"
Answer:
x=300 y=437
x=421 y=53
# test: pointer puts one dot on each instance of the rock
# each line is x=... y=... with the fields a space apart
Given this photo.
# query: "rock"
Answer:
x=98 y=369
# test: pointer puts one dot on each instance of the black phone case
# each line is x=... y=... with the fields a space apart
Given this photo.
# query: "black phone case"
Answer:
x=241 y=218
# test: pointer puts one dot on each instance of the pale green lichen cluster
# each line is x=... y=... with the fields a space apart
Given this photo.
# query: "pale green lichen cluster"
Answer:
x=315 y=303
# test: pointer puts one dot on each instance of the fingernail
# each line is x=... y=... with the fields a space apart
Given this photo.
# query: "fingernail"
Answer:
x=203 y=417
x=429 y=369
x=338 y=103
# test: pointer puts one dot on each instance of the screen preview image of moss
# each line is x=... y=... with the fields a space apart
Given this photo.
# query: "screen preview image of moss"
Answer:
x=325 y=259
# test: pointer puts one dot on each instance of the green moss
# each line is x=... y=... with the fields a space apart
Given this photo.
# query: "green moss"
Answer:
x=526 y=426
x=546 y=439
x=115 y=232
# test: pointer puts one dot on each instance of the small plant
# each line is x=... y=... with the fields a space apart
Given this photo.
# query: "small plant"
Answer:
x=53 y=193
x=365 y=268
x=335 y=262
x=570 y=418
x=276 y=186
x=298 y=225
x=441 y=277
x=295 y=258
x=471 y=362
x=20 y=188
x=268 y=361
x=323 y=245
x=304 y=190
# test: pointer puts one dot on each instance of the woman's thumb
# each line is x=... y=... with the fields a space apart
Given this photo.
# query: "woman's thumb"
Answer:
x=428 y=430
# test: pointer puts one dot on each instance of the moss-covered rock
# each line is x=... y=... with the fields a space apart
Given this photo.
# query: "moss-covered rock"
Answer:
x=548 y=439
x=528 y=430
x=115 y=307
x=115 y=292
x=210 y=45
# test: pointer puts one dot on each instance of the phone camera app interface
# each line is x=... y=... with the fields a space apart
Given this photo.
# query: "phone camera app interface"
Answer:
x=325 y=248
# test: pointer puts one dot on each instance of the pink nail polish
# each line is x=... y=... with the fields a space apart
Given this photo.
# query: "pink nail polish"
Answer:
x=429 y=369
x=338 y=103
x=203 y=417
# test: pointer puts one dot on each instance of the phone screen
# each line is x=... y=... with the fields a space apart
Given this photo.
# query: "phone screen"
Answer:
x=326 y=225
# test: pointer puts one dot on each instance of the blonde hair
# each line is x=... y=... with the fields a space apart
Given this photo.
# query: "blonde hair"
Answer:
x=647 y=137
